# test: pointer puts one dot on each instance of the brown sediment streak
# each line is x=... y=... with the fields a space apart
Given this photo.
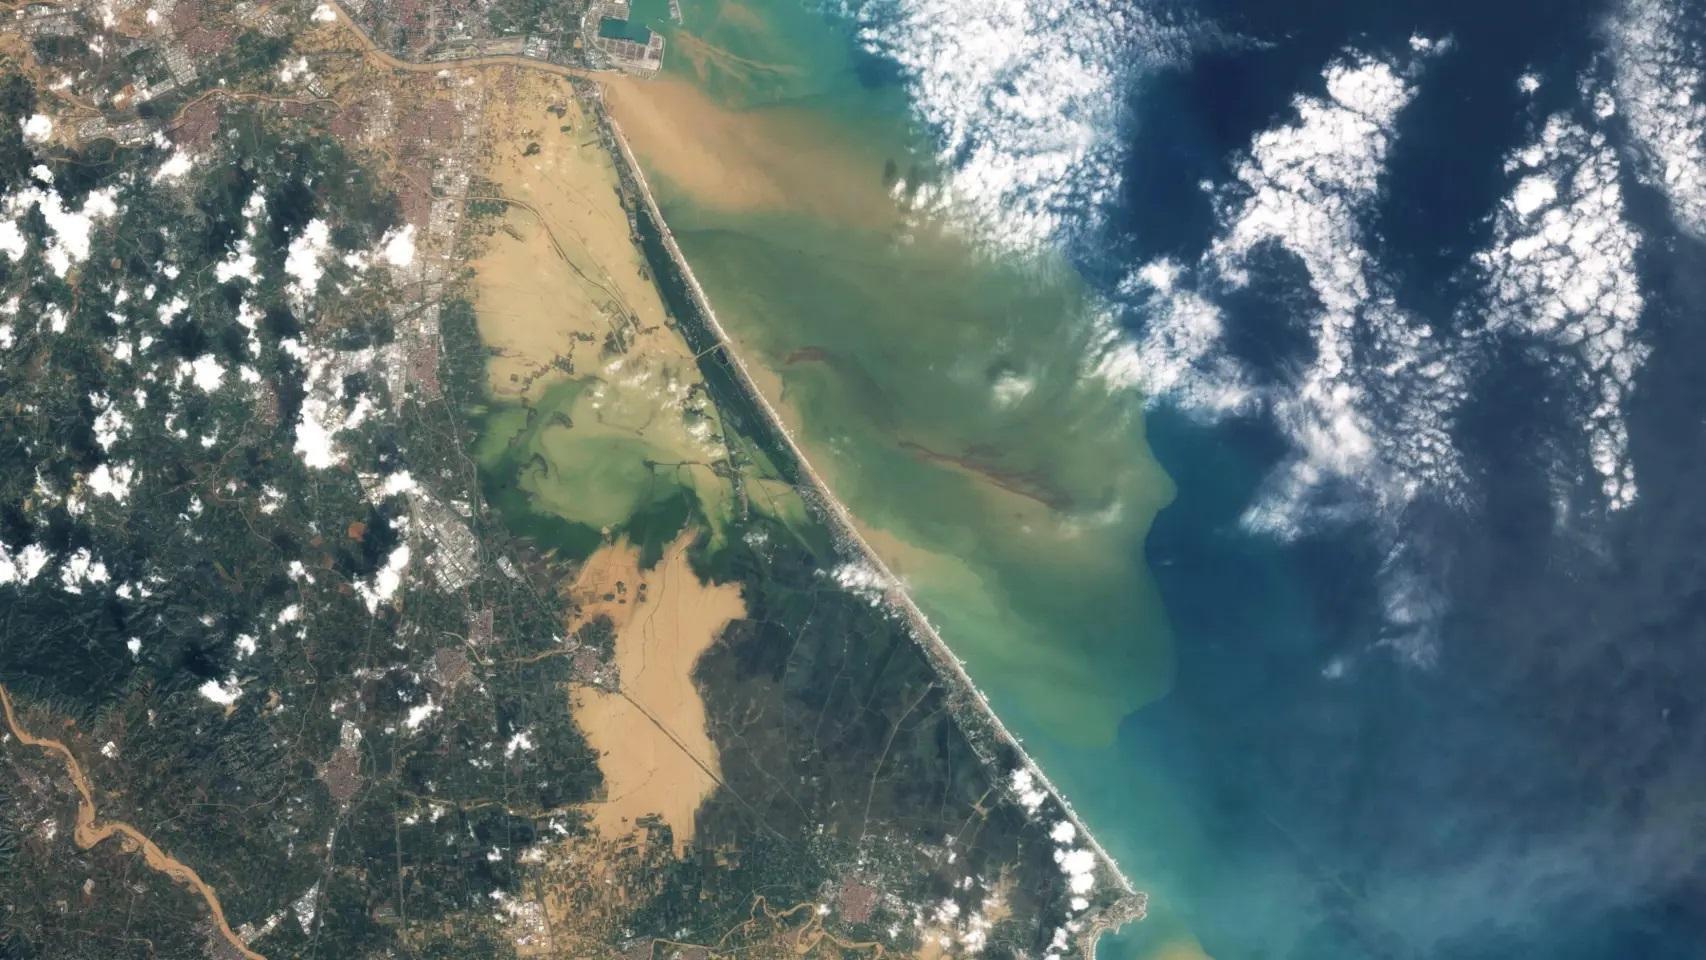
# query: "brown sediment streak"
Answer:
x=807 y=355
x=91 y=831
x=1022 y=484
x=1132 y=904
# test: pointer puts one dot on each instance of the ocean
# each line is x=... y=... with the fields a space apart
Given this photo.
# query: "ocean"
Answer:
x=1255 y=397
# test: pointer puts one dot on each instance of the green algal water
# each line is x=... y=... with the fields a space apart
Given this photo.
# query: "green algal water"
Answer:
x=945 y=393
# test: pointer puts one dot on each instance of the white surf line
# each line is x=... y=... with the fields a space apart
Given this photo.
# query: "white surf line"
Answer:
x=1130 y=907
x=1134 y=904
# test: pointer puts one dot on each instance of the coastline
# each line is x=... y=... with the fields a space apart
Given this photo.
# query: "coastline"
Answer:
x=1132 y=904
x=985 y=730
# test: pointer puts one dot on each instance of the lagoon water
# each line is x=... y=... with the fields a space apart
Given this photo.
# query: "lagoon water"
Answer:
x=1458 y=727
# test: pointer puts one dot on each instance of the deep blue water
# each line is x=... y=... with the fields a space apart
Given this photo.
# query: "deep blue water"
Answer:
x=1540 y=790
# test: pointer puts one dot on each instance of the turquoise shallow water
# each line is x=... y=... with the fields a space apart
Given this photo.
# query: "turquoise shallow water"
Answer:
x=946 y=395
x=943 y=392
x=1220 y=706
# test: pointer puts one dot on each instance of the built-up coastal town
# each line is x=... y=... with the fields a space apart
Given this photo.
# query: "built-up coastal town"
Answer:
x=428 y=130
x=568 y=33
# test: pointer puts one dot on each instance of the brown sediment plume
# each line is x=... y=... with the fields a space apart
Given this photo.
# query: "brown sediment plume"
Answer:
x=768 y=160
x=649 y=730
x=1131 y=904
x=91 y=831
x=705 y=59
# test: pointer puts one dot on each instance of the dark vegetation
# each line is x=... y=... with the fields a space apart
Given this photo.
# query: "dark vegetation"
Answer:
x=357 y=798
x=227 y=541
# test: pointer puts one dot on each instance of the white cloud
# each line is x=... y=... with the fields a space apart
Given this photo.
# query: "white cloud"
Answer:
x=224 y=693
x=205 y=371
x=241 y=262
x=22 y=565
x=293 y=69
x=321 y=417
x=12 y=241
x=1370 y=413
x=69 y=231
x=302 y=259
x=418 y=714
x=109 y=422
x=1656 y=74
x=112 y=480
x=387 y=580
x=1025 y=787
x=1079 y=865
x=398 y=246
x=1024 y=97
x=1179 y=358
x=178 y=164
x=79 y=569
x=863 y=579
x=1561 y=269
x=36 y=127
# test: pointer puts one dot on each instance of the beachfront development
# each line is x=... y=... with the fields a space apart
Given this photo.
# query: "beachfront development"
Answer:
x=549 y=638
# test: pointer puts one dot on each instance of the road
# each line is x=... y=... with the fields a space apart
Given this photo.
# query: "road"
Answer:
x=1132 y=903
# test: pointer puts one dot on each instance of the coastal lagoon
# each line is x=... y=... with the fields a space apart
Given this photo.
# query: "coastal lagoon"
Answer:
x=1313 y=717
x=944 y=393
x=948 y=392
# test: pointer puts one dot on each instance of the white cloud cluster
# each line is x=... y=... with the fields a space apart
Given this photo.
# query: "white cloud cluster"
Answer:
x=322 y=416
x=69 y=231
x=859 y=577
x=1180 y=356
x=386 y=580
x=241 y=262
x=112 y=480
x=1369 y=413
x=37 y=127
x=81 y=569
x=1656 y=73
x=176 y=165
x=302 y=261
x=1025 y=787
x=205 y=371
x=22 y=565
x=224 y=693
x=397 y=247
x=1368 y=416
x=1561 y=269
x=1024 y=97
